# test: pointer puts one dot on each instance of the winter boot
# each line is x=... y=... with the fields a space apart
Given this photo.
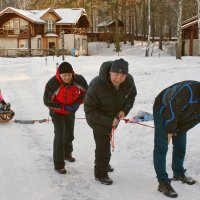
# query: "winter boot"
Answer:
x=105 y=180
x=69 y=158
x=61 y=171
x=110 y=168
x=184 y=179
x=166 y=188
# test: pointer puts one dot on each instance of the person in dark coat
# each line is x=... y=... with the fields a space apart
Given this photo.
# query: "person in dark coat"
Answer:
x=109 y=98
x=63 y=95
x=176 y=110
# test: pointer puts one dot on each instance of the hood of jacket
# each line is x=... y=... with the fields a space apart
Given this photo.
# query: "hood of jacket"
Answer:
x=104 y=72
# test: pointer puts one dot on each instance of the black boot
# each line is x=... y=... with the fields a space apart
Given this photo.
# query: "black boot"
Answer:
x=184 y=179
x=69 y=158
x=166 y=188
x=110 y=168
x=105 y=180
x=61 y=171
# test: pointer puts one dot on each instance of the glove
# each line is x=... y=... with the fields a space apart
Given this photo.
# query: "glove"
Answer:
x=72 y=108
x=115 y=122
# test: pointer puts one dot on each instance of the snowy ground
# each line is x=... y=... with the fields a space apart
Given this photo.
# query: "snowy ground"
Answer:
x=26 y=170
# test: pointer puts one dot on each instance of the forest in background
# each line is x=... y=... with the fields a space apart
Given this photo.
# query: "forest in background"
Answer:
x=142 y=18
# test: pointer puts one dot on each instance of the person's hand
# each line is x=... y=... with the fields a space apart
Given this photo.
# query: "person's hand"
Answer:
x=115 y=122
x=72 y=108
x=169 y=135
x=121 y=115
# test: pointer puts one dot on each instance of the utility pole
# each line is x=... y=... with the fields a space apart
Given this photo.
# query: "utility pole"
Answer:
x=63 y=44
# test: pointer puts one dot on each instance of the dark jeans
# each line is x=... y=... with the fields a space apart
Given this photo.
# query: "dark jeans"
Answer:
x=161 y=148
x=102 y=152
x=64 y=135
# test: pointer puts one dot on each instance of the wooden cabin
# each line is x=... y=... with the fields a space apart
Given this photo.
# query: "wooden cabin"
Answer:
x=106 y=30
x=43 y=32
x=190 y=37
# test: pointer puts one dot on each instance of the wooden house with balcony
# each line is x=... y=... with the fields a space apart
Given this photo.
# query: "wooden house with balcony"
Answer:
x=43 y=32
x=190 y=37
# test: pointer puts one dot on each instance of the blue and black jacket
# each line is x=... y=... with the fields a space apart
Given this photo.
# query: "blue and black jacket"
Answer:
x=179 y=105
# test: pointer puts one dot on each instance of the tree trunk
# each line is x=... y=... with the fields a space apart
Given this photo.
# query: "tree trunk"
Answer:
x=149 y=28
x=117 y=40
x=179 y=31
x=198 y=2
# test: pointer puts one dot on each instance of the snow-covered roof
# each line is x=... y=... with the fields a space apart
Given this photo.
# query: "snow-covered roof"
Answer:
x=109 y=22
x=189 y=24
x=105 y=23
x=66 y=15
x=39 y=13
x=51 y=35
x=69 y=16
x=27 y=14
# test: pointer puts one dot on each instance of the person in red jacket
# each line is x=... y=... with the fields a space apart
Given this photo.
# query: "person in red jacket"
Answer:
x=63 y=95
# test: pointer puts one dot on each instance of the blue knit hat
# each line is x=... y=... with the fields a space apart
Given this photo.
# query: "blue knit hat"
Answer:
x=119 y=66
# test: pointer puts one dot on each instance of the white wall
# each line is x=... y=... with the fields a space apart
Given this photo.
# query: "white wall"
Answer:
x=195 y=47
x=186 y=47
x=34 y=42
x=8 y=43
x=69 y=41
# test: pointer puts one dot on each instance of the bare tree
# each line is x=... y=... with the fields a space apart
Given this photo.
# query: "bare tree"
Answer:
x=179 y=30
x=198 y=3
x=149 y=28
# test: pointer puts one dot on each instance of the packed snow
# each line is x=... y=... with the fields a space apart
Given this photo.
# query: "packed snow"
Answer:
x=27 y=171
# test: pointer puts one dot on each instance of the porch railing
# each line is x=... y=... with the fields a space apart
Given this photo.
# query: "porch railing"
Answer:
x=32 y=52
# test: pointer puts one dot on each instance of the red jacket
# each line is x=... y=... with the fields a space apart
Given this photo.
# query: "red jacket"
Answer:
x=58 y=94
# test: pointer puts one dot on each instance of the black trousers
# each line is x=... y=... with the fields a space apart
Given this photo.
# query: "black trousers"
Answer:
x=102 y=152
x=64 y=135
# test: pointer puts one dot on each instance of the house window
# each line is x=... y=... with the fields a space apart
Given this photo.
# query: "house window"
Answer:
x=39 y=43
x=23 y=24
x=23 y=43
x=84 y=44
x=16 y=25
x=8 y=25
x=77 y=44
x=50 y=26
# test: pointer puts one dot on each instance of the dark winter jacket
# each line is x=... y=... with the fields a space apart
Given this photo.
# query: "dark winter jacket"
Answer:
x=180 y=106
x=103 y=102
x=58 y=94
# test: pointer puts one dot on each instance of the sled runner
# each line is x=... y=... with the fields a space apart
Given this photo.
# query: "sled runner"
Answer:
x=6 y=116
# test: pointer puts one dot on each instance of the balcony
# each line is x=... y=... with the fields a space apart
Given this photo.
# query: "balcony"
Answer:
x=14 y=33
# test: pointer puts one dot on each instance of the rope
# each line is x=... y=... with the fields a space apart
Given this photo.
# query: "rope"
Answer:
x=79 y=118
x=135 y=122
x=112 y=139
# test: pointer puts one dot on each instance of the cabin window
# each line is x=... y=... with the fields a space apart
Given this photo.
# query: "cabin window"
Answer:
x=39 y=43
x=16 y=24
x=23 y=24
x=50 y=26
x=23 y=43
x=8 y=25
x=77 y=43
x=84 y=41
